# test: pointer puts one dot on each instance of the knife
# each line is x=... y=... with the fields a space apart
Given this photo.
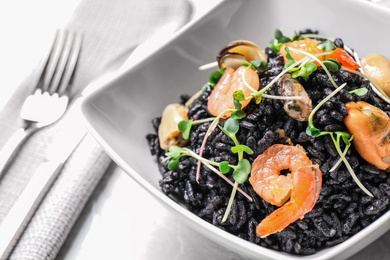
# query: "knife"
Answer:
x=63 y=146
x=66 y=141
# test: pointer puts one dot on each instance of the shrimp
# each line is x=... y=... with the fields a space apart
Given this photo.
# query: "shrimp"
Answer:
x=310 y=46
x=370 y=127
x=302 y=186
x=221 y=97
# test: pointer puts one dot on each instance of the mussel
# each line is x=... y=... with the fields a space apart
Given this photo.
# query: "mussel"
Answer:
x=300 y=108
x=168 y=132
x=377 y=67
x=237 y=52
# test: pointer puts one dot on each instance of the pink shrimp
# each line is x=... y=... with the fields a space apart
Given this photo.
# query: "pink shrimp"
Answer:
x=302 y=186
x=221 y=97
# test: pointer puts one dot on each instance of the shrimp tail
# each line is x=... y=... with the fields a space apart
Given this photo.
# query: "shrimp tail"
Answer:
x=307 y=182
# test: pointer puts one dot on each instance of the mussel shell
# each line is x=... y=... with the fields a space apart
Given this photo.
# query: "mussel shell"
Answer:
x=239 y=50
x=355 y=55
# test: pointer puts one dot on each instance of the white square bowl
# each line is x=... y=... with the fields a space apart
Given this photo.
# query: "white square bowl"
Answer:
x=120 y=111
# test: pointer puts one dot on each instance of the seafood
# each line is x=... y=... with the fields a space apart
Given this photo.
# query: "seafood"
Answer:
x=297 y=109
x=310 y=46
x=237 y=52
x=305 y=192
x=302 y=186
x=283 y=181
x=221 y=97
x=377 y=67
x=370 y=127
x=168 y=132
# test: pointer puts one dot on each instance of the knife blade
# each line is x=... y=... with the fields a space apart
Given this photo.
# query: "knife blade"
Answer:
x=71 y=133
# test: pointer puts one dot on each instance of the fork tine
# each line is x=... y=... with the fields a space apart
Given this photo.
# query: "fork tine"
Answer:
x=45 y=64
x=74 y=50
x=62 y=61
x=53 y=60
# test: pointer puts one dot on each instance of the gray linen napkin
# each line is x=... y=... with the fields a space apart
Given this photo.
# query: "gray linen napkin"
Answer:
x=110 y=29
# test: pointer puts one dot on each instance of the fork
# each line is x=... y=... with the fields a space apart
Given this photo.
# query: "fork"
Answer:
x=51 y=96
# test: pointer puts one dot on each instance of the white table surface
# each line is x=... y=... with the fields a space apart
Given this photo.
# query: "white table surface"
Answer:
x=115 y=223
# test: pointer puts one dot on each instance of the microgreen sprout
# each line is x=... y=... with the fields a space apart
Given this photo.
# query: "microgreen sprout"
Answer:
x=215 y=76
x=332 y=64
x=186 y=125
x=315 y=57
x=244 y=78
x=305 y=71
x=279 y=39
x=373 y=83
x=290 y=59
x=211 y=128
x=224 y=167
x=241 y=172
x=258 y=95
x=237 y=97
x=346 y=137
x=355 y=178
x=326 y=46
x=175 y=153
x=259 y=65
x=311 y=129
x=359 y=91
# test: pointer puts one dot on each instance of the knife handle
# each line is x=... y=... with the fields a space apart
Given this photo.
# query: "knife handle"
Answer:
x=7 y=153
x=25 y=206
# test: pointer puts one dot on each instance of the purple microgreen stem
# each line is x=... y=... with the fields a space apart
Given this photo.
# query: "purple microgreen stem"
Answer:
x=209 y=164
x=212 y=126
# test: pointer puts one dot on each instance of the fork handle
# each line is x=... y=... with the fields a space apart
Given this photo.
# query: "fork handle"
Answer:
x=8 y=152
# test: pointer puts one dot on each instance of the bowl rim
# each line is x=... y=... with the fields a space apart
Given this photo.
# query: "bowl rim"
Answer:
x=100 y=85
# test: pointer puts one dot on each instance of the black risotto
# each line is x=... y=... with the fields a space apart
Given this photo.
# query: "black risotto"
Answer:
x=342 y=209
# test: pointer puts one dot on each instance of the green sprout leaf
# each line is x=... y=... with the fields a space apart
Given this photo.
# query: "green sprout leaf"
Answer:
x=359 y=92
x=279 y=39
x=185 y=127
x=174 y=151
x=297 y=37
x=215 y=76
x=313 y=131
x=204 y=88
x=173 y=164
x=332 y=64
x=305 y=71
x=290 y=60
x=231 y=126
x=347 y=138
x=239 y=114
x=260 y=65
x=258 y=98
x=240 y=174
x=237 y=104
x=224 y=167
x=326 y=45
x=242 y=148
x=239 y=95
x=246 y=64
